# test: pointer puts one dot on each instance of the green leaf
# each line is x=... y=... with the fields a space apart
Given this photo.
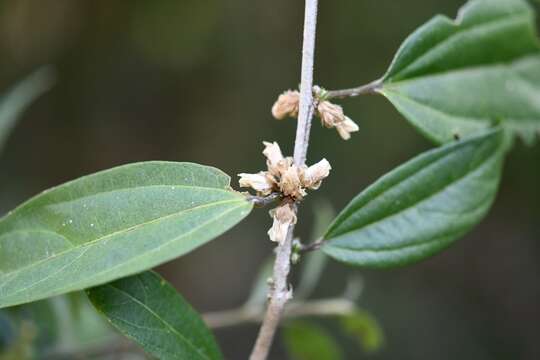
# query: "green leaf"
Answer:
x=421 y=207
x=18 y=98
x=364 y=327
x=148 y=310
x=307 y=341
x=112 y=224
x=451 y=79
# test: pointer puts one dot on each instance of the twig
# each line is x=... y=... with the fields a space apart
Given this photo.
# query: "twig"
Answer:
x=370 y=88
x=254 y=314
x=280 y=293
x=316 y=245
x=261 y=201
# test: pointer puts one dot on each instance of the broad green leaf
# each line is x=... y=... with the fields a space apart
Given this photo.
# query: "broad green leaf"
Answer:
x=148 y=310
x=422 y=206
x=365 y=328
x=112 y=224
x=15 y=101
x=451 y=79
x=307 y=341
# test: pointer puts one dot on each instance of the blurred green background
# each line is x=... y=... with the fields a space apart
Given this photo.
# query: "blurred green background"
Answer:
x=194 y=80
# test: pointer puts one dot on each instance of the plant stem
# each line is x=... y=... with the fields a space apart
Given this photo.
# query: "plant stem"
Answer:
x=280 y=293
x=305 y=112
x=254 y=314
x=370 y=88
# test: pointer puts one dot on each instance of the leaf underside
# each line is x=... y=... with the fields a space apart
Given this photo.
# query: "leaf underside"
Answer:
x=421 y=207
x=148 y=310
x=112 y=224
x=451 y=79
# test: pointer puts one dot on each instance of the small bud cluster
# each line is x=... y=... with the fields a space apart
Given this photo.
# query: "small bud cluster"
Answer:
x=331 y=115
x=284 y=176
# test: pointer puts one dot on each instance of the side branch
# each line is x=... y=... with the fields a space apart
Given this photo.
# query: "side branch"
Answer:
x=245 y=314
x=367 y=89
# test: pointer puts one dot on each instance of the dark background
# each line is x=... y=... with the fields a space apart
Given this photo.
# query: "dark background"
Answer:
x=194 y=80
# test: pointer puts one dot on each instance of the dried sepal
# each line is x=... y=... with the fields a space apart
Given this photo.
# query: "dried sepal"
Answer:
x=286 y=105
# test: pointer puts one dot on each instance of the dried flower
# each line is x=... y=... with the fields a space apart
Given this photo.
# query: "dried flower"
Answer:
x=286 y=105
x=346 y=127
x=276 y=163
x=332 y=116
x=284 y=176
x=272 y=151
x=261 y=182
x=315 y=174
x=284 y=216
x=291 y=185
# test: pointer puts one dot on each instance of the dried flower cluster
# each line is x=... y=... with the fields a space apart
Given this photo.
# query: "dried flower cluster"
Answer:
x=284 y=176
x=331 y=115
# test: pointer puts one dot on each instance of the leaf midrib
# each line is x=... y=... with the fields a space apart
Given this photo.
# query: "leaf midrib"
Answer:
x=22 y=207
x=128 y=229
x=460 y=31
x=452 y=183
x=108 y=270
x=407 y=245
x=163 y=321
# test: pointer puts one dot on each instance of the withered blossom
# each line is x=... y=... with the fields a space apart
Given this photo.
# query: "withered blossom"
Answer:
x=261 y=182
x=346 y=127
x=284 y=176
x=315 y=174
x=332 y=116
x=284 y=216
x=286 y=105
x=291 y=183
